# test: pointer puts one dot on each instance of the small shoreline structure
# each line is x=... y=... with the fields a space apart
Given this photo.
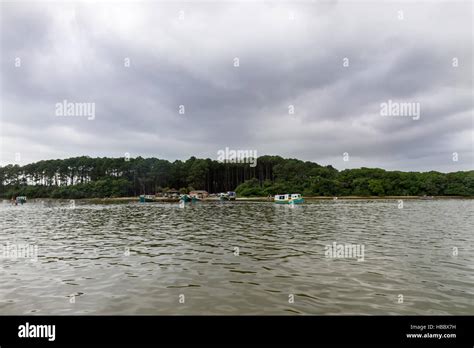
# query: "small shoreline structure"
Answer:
x=198 y=195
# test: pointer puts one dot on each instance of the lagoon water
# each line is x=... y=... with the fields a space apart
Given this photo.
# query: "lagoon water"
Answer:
x=238 y=258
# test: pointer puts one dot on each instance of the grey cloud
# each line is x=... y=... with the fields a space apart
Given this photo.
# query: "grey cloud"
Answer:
x=76 y=52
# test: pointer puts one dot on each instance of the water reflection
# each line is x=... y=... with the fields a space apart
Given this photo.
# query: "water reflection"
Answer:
x=139 y=258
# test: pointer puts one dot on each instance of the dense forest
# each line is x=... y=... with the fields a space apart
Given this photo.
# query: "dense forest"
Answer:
x=85 y=177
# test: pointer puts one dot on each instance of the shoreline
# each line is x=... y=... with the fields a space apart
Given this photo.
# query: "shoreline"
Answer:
x=250 y=199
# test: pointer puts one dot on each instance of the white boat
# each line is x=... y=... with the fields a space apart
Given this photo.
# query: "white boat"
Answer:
x=227 y=196
x=147 y=198
x=287 y=198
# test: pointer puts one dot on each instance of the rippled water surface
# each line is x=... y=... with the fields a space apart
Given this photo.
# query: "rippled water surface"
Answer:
x=139 y=258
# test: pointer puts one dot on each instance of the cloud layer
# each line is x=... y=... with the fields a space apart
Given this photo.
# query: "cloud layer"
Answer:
x=333 y=62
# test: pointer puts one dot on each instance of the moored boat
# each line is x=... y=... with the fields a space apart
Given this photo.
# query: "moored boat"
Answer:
x=228 y=196
x=20 y=200
x=187 y=198
x=147 y=198
x=293 y=198
x=425 y=197
x=184 y=198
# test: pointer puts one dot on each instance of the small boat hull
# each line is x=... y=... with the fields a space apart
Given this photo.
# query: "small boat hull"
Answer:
x=188 y=198
x=290 y=201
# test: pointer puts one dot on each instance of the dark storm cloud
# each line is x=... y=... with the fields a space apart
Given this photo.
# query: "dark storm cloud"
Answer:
x=288 y=55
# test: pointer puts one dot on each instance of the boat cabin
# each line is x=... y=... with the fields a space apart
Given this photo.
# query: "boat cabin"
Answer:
x=288 y=196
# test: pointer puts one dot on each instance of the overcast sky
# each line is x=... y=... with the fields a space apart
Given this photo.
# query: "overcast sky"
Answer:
x=288 y=54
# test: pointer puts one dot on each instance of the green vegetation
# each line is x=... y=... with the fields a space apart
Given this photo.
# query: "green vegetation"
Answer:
x=85 y=177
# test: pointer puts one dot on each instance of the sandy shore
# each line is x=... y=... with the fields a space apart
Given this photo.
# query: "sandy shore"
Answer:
x=266 y=199
x=252 y=199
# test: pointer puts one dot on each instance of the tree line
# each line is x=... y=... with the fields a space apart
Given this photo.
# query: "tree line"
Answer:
x=85 y=177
